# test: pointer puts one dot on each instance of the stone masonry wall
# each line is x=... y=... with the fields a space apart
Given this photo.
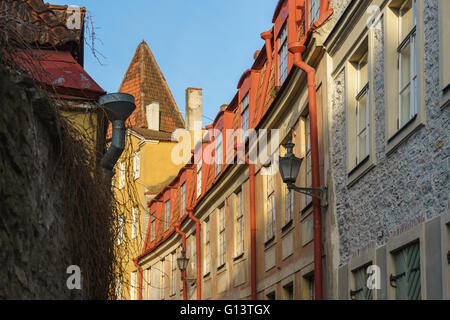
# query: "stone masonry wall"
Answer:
x=34 y=252
x=410 y=184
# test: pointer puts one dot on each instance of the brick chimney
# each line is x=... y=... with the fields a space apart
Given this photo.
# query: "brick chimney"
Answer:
x=194 y=109
x=152 y=115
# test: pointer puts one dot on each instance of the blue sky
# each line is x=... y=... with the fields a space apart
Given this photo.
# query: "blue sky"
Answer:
x=197 y=43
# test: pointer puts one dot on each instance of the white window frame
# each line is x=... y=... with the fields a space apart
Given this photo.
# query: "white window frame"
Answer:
x=133 y=285
x=239 y=223
x=153 y=227
x=120 y=230
x=221 y=242
x=270 y=219
x=282 y=55
x=314 y=11
x=119 y=288
x=166 y=215
x=162 y=281
x=245 y=117
x=173 y=287
x=121 y=175
x=408 y=39
x=362 y=91
x=289 y=205
x=137 y=165
x=134 y=222
x=207 y=244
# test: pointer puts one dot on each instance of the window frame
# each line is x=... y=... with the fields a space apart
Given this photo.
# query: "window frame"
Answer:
x=207 y=246
x=361 y=93
x=282 y=54
x=166 y=215
x=183 y=199
x=270 y=205
x=239 y=223
x=134 y=222
x=120 y=229
x=218 y=142
x=221 y=238
x=199 y=177
x=137 y=165
x=245 y=116
x=152 y=227
x=313 y=11
x=122 y=169
x=173 y=278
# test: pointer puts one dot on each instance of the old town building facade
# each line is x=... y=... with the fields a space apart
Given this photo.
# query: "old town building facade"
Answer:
x=361 y=87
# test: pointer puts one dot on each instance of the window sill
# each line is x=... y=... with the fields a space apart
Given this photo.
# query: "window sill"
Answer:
x=238 y=257
x=287 y=227
x=269 y=243
x=404 y=133
x=360 y=170
x=221 y=267
x=306 y=210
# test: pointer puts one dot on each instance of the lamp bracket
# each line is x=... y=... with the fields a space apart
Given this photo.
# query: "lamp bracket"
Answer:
x=319 y=193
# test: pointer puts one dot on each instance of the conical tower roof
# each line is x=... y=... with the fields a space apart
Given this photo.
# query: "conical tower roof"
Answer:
x=145 y=81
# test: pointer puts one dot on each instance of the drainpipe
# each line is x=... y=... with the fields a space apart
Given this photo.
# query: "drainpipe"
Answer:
x=118 y=107
x=267 y=36
x=297 y=49
x=183 y=245
x=139 y=279
x=198 y=242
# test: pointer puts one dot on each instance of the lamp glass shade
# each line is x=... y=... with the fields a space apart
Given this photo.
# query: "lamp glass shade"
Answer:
x=289 y=168
x=182 y=262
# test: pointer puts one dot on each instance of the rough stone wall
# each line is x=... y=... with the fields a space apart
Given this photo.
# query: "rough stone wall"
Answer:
x=410 y=184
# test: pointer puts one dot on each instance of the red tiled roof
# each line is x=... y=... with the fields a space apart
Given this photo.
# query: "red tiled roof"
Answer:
x=61 y=74
x=145 y=81
x=48 y=22
x=153 y=134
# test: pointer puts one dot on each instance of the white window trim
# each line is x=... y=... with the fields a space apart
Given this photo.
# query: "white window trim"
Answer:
x=269 y=227
x=207 y=246
x=120 y=230
x=137 y=165
x=121 y=175
x=221 y=235
x=282 y=55
x=239 y=223
x=314 y=11
x=166 y=215
x=219 y=154
x=153 y=227
x=134 y=222
x=183 y=200
x=245 y=117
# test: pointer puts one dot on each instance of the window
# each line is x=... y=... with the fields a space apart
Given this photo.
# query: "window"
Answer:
x=193 y=256
x=167 y=215
x=271 y=296
x=244 y=117
x=219 y=153
x=183 y=200
x=282 y=55
x=407 y=273
x=289 y=205
x=362 y=111
x=119 y=288
x=173 y=282
x=444 y=41
x=309 y=280
x=407 y=63
x=133 y=285
x=120 y=226
x=121 y=175
x=239 y=225
x=314 y=11
x=137 y=165
x=153 y=227
x=207 y=259
x=360 y=290
x=162 y=281
x=199 y=178
x=308 y=157
x=289 y=291
x=270 y=208
x=134 y=222
x=221 y=241
x=149 y=287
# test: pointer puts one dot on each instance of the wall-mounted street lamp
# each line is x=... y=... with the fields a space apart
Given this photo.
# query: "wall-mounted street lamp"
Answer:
x=289 y=168
x=183 y=262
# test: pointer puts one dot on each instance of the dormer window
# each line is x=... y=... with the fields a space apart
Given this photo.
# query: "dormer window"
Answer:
x=282 y=55
x=244 y=117
x=314 y=11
